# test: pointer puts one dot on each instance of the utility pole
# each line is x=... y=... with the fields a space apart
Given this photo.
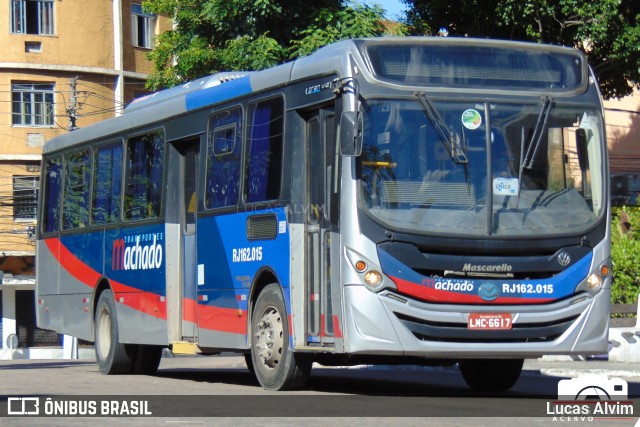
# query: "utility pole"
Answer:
x=73 y=104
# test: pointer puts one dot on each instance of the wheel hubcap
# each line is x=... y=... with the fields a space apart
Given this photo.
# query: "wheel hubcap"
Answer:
x=103 y=340
x=269 y=338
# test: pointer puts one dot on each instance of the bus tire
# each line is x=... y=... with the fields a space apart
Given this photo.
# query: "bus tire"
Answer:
x=112 y=356
x=491 y=374
x=147 y=358
x=276 y=367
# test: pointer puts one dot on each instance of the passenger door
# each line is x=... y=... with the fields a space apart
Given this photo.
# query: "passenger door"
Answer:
x=320 y=212
x=181 y=209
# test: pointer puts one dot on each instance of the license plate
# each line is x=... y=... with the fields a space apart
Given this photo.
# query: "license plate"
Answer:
x=490 y=321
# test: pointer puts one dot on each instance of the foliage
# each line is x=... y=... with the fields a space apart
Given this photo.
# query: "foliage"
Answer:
x=217 y=35
x=351 y=22
x=625 y=256
x=245 y=53
x=608 y=31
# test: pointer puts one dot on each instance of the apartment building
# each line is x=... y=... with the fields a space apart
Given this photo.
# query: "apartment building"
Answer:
x=623 y=138
x=63 y=65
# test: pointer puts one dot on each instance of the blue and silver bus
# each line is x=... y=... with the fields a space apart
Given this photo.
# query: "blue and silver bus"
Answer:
x=392 y=200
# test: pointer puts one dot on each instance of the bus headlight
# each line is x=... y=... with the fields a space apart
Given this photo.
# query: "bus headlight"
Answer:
x=594 y=281
x=373 y=278
x=368 y=271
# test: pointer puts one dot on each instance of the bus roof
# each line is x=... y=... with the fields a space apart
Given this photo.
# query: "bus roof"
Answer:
x=206 y=91
x=214 y=89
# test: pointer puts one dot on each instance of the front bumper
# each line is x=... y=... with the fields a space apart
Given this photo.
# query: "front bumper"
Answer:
x=386 y=323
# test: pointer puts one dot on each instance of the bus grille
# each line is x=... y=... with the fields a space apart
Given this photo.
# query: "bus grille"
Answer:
x=426 y=330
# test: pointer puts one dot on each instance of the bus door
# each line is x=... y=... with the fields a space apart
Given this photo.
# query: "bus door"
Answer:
x=320 y=173
x=181 y=208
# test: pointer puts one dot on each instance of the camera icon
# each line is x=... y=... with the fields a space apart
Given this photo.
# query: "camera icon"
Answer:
x=593 y=387
x=23 y=406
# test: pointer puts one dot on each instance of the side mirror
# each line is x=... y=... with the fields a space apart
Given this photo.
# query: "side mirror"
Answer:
x=350 y=133
x=581 y=147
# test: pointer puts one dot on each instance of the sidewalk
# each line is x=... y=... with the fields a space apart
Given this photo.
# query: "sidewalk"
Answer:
x=622 y=361
x=629 y=371
x=624 y=344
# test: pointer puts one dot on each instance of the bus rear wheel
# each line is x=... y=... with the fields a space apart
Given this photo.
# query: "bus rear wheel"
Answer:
x=147 y=358
x=112 y=356
x=491 y=374
x=276 y=367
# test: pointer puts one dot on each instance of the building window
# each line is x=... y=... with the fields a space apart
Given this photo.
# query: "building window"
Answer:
x=25 y=197
x=33 y=47
x=142 y=26
x=32 y=17
x=32 y=104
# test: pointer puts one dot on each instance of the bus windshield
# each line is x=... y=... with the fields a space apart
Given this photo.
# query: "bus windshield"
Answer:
x=482 y=168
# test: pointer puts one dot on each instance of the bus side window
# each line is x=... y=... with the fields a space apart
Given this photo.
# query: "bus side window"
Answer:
x=76 y=190
x=52 y=193
x=143 y=186
x=223 y=159
x=264 y=141
x=107 y=185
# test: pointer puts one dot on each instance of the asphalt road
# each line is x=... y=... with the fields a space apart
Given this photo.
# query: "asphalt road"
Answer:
x=221 y=391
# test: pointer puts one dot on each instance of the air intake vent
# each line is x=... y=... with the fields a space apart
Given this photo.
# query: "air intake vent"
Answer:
x=426 y=330
x=262 y=227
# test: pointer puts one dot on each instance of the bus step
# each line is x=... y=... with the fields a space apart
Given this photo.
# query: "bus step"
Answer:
x=185 y=347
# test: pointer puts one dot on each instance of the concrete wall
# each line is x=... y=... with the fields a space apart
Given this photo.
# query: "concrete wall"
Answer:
x=623 y=133
x=83 y=36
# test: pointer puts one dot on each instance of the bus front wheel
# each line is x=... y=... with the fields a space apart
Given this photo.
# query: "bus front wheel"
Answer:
x=276 y=367
x=112 y=356
x=491 y=374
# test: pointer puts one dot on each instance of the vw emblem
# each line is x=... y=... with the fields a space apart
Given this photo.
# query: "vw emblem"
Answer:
x=488 y=291
x=564 y=259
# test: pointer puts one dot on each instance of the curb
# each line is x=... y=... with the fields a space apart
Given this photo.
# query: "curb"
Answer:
x=624 y=346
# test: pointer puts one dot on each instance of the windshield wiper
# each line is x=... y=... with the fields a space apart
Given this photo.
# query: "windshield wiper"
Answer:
x=450 y=139
x=538 y=132
x=534 y=142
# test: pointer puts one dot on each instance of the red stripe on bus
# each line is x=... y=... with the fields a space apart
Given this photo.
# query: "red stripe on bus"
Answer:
x=337 y=333
x=146 y=302
x=72 y=264
x=189 y=310
x=231 y=320
x=425 y=293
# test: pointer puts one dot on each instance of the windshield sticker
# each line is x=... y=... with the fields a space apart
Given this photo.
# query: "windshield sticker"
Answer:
x=505 y=186
x=471 y=119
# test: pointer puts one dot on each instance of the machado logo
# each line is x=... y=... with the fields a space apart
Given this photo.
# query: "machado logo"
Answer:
x=136 y=255
x=590 y=397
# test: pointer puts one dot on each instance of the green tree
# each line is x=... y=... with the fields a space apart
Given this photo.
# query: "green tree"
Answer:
x=608 y=31
x=227 y=35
